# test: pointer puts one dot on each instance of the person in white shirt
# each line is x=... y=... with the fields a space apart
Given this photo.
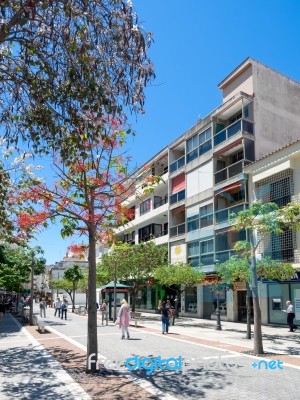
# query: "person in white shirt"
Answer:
x=290 y=316
x=57 y=306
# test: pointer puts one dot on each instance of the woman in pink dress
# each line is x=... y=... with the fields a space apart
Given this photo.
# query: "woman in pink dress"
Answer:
x=123 y=318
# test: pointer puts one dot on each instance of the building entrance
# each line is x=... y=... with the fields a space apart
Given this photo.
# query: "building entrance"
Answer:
x=242 y=307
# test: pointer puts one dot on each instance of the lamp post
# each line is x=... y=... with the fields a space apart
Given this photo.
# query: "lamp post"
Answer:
x=218 y=325
x=217 y=288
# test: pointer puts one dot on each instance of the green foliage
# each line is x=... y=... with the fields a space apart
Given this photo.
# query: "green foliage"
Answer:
x=16 y=263
x=275 y=270
x=74 y=275
x=235 y=269
x=134 y=264
x=180 y=275
x=260 y=217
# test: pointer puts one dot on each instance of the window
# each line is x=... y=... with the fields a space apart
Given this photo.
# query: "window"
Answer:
x=207 y=252
x=206 y=215
x=203 y=140
x=192 y=143
x=193 y=249
x=193 y=223
x=145 y=206
x=237 y=157
x=207 y=246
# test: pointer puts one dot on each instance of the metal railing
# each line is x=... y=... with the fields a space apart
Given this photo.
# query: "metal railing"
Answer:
x=160 y=203
x=177 y=230
x=177 y=164
x=230 y=171
x=223 y=215
x=175 y=198
x=231 y=130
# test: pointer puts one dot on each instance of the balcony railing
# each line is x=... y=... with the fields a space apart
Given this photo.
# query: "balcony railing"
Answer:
x=240 y=125
x=223 y=215
x=177 y=230
x=175 y=198
x=177 y=164
x=160 y=203
x=146 y=238
x=231 y=171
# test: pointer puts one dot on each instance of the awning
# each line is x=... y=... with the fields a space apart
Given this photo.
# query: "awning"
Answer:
x=229 y=147
x=228 y=188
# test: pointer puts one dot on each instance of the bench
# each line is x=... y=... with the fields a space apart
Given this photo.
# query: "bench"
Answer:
x=135 y=316
x=81 y=310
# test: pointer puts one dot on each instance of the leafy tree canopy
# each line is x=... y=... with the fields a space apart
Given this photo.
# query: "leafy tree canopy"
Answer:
x=65 y=63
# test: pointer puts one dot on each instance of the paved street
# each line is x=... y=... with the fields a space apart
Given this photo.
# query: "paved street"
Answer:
x=215 y=369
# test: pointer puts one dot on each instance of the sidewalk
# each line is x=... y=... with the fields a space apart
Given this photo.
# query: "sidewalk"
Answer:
x=28 y=371
x=276 y=339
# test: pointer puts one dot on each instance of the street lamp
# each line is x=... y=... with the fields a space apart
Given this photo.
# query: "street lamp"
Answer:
x=218 y=325
x=217 y=288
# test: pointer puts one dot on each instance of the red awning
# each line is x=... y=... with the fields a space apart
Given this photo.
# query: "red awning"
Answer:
x=229 y=147
x=229 y=188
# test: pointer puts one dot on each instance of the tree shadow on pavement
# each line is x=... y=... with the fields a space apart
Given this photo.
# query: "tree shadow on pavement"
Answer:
x=28 y=374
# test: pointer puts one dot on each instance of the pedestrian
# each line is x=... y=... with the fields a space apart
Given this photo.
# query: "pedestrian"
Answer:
x=164 y=317
x=104 y=311
x=290 y=316
x=176 y=304
x=64 y=308
x=43 y=306
x=124 y=318
x=57 y=306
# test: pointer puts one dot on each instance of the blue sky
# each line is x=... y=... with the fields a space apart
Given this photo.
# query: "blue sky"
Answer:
x=197 y=43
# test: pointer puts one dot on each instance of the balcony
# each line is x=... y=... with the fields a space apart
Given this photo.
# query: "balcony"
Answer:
x=175 y=198
x=176 y=165
x=231 y=171
x=177 y=230
x=238 y=126
x=160 y=203
x=223 y=215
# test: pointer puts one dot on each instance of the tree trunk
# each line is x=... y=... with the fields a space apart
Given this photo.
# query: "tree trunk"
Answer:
x=92 y=343
x=248 y=306
x=258 y=343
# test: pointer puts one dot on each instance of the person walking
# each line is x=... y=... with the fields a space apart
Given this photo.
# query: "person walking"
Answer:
x=43 y=308
x=124 y=318
x=104 y=311
x=57 y=306
x=290 y=316
x=164 y=309
x=64 y=308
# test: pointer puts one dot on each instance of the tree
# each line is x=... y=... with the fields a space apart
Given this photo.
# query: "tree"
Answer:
x=135 y=264
x=178 y=277
x=74 y=275
x=63 y=58
x=259 y=221
x=15 y=266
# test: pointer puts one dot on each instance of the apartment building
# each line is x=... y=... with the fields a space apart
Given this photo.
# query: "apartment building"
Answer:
x=204 y=181
x=275 y=178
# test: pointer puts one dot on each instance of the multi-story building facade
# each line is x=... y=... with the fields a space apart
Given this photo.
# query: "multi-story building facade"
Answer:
x=275 y=178
x=204 y=180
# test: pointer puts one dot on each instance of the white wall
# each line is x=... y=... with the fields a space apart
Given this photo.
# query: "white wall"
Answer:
x=199 y=180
